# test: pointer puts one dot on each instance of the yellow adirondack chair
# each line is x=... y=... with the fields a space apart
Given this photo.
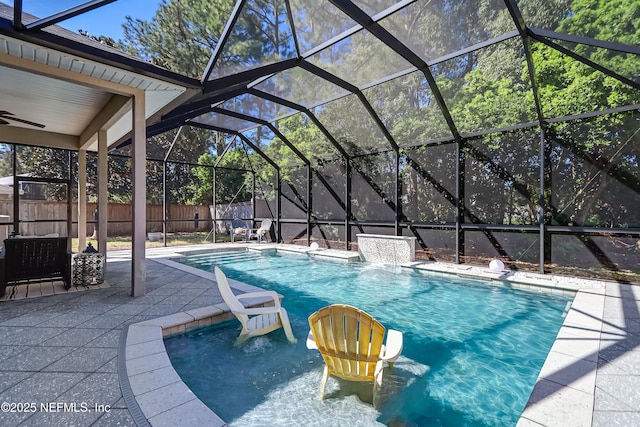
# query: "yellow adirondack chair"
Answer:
x=257 y=320
x=352 y=345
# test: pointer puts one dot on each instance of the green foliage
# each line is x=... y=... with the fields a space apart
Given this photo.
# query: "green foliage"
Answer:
x=181 y=36
x=232 y=185
x=591 y=167
x=594 y=164
x=6 y=160
x=305 y=136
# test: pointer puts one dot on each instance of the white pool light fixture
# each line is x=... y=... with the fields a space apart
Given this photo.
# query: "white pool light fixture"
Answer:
x=496 y=266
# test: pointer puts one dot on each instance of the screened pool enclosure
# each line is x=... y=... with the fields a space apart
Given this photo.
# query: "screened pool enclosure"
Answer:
x=485 y=129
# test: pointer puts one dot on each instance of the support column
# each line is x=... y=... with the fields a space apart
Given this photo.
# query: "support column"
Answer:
x=139 y=202
x=253 y=199
x=165 y=203
x=309 y=202
x=545 y=241
x=460 y=201
x=347 y=204
x=215 y=208
x=103 y=192
x=82 y=199
x=278 y=208
x=398 y=201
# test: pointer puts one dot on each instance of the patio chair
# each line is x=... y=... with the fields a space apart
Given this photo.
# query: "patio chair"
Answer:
x=351 y=344
x=257 y=320
x=238 y=229
x=262 y=231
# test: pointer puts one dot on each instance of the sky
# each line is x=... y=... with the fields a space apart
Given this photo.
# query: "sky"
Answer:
x=104 y=21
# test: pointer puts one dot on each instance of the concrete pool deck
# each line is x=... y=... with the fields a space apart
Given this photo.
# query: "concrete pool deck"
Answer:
x=61 y=351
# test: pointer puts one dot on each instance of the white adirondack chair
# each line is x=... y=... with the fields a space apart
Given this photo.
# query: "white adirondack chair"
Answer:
x=257 y=320
x=262 y=231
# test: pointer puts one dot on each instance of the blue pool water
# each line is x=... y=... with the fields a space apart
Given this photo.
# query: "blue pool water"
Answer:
x=472 y=352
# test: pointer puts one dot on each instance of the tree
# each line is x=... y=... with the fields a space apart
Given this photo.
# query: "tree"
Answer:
x=181 y=36
x=233 y=184
x=485 y=89
x=593 y=164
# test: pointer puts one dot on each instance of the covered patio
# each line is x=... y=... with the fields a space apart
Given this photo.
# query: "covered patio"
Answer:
x=65 y=91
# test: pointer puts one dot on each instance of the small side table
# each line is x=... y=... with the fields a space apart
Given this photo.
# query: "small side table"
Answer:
x=87 y=269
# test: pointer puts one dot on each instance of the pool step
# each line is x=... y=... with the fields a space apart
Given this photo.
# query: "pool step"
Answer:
x=219 y=255
x=221 y=258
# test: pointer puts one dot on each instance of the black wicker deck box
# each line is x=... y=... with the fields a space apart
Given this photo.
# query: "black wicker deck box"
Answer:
x=28 y=259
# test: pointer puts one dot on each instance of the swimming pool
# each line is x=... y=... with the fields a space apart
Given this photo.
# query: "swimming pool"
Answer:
x=471 y=357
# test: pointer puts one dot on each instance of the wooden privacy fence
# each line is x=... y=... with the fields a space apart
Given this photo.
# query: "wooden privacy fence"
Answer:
x=43 y=217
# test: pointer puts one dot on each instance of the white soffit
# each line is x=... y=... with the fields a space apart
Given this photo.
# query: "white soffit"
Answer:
x=61 y=106
x=66 y=92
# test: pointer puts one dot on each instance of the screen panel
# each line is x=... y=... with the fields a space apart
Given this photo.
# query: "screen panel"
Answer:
x=352 y=126
x=303 y=133
x=225 y=122
x=353 y=59
x=154 y=182
x=301 y=87
x=266 y=193
x=273 y=147
x=429 y=183
x=328 y=190
x=569 y=87
x=294 y=201
x=41 y=162
x=294 y=234
x=254 y=106
x=610 y=257
x=373 y=191
x=433 y=29
x=187 y=185
x=595 y=178
x=373 y=7
x=329 y=236
x=158 y=145
x=120 y=185
x=502 y=178
x=196 y=145
x=43 y=209
x=261 y=35
x=317 y=22
x=6 y=187
x=609 y=21
x=519 y=250
x=487 y=89
x=625 y=64
x=433 y=244
x=232 y=185
x=238 y=154
x=408 y=109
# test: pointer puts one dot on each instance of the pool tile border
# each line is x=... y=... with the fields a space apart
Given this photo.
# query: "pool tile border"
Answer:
x=154 y=388
x=564 y=391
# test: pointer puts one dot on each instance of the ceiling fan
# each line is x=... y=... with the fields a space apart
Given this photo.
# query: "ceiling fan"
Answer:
x=5 y=115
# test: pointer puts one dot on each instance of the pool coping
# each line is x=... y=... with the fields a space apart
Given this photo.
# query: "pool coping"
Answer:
x=557 y=399
x=149 y=382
